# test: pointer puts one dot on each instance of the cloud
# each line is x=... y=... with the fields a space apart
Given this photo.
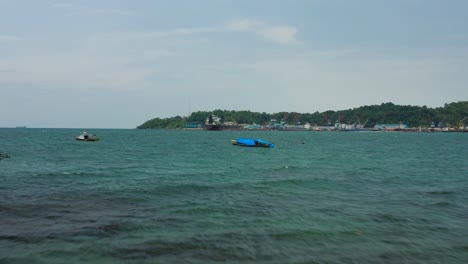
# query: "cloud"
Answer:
x=282 y=34
x=124 y=61
x=8 y=38
x=64 y=5
x=74 y=71
x=76 y=9
x=278 y=34
x=108 y=11
x=191 y=31
x=169 y=33
x=244 y=25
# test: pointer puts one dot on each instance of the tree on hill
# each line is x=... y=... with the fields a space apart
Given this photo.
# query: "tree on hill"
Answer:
x=452 y=114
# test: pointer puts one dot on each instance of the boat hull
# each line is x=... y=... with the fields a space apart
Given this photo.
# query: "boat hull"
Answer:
x=213 y=127
x=247 y=142
x=86 y=139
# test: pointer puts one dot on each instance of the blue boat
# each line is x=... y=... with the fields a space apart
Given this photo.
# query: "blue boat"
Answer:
x=248 y=142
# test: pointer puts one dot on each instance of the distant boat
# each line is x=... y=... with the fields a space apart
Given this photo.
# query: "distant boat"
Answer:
x=87 y=137
x=230 y=126
x=293 y=128
x=355 y=127
x=213 y=123
x=248 y=142
x=20 y=126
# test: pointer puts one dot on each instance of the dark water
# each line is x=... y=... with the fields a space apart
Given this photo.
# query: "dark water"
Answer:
x=149 y=196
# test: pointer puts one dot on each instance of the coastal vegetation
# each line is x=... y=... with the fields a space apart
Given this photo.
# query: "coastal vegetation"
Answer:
x=450 y=115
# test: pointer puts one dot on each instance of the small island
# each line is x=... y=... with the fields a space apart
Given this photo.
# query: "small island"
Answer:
x=386 y=116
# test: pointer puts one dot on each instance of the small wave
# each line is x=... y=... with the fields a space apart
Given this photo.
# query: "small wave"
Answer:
x=102 y=230
x=205 y=248
x=298 y=235
x=22 y=239
x=284 y=167
x=368 y=169
x=290 y=181
x=442 y=204
x=67 y=173
x=384 y=218
x=7 y=209
x=441 y=192
x=181 y=188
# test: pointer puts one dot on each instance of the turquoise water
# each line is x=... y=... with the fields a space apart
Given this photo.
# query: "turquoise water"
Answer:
x=155 y=196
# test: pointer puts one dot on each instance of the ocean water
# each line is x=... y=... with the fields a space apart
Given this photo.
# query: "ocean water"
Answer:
x=157 y=196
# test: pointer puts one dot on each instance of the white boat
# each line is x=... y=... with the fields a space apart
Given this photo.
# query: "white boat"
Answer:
x=87 y=137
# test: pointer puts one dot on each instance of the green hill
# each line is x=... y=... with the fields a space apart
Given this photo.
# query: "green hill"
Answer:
x=450 y=115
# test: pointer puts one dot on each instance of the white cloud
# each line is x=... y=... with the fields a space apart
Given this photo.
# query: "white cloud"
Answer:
x=108 y=11
x=171 y=33
x=353 y=78
x=74 y=71
x=278 y=34
x=283 y=34
x=76 y=9
x=64 y=5
x=190 y=31
x=244 y=25
x=8 y=38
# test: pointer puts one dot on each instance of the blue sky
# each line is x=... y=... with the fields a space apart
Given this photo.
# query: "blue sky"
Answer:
x=116 y=64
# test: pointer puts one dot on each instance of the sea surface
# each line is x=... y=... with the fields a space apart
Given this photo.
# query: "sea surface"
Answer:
x=159 y=196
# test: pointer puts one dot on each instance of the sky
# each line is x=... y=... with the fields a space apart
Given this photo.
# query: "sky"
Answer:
x=117 y=64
